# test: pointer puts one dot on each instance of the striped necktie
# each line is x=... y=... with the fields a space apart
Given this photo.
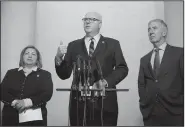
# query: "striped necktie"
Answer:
x=91 y=47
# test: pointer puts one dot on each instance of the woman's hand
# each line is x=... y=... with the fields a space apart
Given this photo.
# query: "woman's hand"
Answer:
x=20 y=105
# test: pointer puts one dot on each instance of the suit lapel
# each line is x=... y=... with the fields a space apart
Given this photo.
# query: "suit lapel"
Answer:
x=100 y=46
x=84 y=49
x=165 y=61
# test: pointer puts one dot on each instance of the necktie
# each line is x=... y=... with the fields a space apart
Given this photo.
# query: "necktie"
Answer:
x=91 y=47
x=156 y=61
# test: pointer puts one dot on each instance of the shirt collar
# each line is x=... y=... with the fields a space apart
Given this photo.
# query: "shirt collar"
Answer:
x=96 y=38
x=33 y=68
x=163 y=46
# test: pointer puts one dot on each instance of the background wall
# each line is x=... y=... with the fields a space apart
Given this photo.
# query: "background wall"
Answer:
x=45 y=24
x=17 y=31
x=173 y=11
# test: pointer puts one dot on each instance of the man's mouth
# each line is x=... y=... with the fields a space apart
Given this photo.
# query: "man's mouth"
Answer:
x=152 y=35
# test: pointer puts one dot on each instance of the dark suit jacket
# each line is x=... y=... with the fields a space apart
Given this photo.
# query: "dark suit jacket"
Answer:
x=166 y=89
x=108 y=53
x=37 y=86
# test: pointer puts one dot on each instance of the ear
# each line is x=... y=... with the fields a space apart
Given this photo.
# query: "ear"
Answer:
x=100 y=24
x=164 y=33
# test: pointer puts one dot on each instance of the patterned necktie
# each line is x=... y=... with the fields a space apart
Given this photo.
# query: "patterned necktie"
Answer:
x=91 y=47
x=156 y=61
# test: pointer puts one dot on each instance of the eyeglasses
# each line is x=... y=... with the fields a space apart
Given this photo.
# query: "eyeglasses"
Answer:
x=90 y=20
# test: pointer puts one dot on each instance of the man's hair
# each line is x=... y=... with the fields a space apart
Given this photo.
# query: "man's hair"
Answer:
x=39 y=60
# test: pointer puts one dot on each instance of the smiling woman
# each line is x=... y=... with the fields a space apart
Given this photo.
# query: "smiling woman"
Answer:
x=25 y=91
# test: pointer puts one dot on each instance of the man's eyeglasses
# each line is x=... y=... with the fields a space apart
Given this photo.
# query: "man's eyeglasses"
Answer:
x=90 y=20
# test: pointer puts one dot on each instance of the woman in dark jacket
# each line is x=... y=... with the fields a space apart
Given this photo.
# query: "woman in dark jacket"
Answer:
x=25 y=91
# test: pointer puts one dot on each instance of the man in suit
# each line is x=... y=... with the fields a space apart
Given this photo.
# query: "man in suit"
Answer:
x=107 y=52
x=161 y=80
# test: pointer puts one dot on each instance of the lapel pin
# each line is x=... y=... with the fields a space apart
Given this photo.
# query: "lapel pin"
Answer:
x=103 y=42
x=37 y=75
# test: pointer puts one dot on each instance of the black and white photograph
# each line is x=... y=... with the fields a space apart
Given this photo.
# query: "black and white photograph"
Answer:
x=92 y=63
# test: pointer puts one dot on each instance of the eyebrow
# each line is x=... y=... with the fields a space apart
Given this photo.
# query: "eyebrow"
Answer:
x=30 y=52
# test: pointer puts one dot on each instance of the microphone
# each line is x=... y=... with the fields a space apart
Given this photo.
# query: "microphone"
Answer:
x=84 y=72
x=89 y=74
x=84 y=65
x=99 y=69
x=89 y=65
x=74 y=68
x=78 y=62
x=74 y=77
x=78 y=72
x=101 y=77
x=86 y=83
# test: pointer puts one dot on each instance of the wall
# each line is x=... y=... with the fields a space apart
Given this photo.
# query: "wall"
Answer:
x=173 y=11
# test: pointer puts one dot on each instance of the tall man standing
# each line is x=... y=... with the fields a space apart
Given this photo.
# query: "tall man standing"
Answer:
x=108 y=53
x=161 y=80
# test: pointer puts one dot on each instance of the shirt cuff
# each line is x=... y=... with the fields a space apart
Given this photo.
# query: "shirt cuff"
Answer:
x=13 y=103
x=106 y=83
x=28 y=102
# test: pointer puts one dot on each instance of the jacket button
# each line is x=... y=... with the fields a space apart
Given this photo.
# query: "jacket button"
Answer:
x=156 y=80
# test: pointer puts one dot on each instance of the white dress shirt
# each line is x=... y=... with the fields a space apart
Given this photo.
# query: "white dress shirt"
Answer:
x=161 y=53
x=88 y=41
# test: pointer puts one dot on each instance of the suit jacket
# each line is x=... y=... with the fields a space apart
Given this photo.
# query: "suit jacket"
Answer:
x=37 y=86
x=109 y=54
x=166 y=89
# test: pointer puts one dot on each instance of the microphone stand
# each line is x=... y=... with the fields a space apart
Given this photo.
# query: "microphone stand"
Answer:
x=89 y=80
x=101 y=77
x=102 y=93
x=85 y=89
x=74 y=82
x=75 y=88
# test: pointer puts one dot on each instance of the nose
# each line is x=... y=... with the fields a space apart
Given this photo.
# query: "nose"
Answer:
x=150 y=32
x=88 y=22
x=29 y=55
